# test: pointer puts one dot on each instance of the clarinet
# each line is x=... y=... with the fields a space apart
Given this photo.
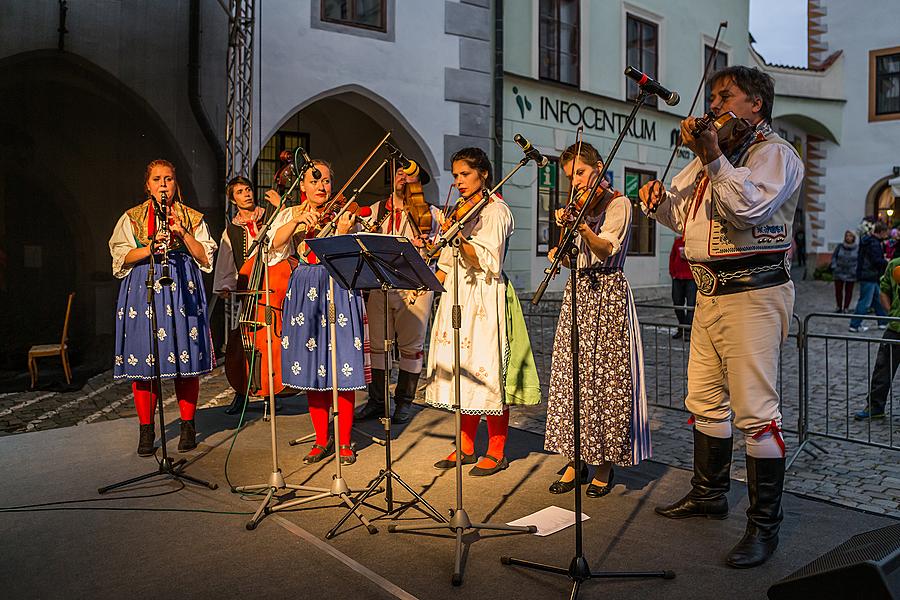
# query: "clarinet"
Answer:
x=165 y=277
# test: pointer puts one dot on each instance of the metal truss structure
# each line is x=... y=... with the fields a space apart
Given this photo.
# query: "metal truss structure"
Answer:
x=238 y=108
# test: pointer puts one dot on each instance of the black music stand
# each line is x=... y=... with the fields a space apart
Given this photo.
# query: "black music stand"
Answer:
x=370 y=261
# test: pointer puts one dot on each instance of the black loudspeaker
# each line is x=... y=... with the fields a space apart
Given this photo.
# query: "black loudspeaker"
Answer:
x=867 y=566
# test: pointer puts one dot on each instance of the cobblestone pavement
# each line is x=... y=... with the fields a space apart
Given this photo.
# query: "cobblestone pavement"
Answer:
x=850 y=473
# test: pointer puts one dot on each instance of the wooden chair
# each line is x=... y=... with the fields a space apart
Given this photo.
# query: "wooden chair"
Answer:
x=61 y=349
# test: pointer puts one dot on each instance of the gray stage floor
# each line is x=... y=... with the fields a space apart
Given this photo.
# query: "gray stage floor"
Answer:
x=191 y=544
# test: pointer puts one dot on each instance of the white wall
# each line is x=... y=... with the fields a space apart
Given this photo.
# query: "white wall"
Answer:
x=867 y=151
x=406 y=76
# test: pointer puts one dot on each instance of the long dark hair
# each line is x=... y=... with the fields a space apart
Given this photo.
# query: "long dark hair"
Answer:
x=478 y=160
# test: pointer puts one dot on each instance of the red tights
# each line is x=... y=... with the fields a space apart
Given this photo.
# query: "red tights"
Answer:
x=187 y=390
x=498 y=429
x=319 y=405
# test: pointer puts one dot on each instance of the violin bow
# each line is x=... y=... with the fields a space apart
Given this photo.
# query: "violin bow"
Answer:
x=712 y=56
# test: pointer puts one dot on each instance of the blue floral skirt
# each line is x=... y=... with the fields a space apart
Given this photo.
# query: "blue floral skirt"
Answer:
x=185 y=345
x=306 y=337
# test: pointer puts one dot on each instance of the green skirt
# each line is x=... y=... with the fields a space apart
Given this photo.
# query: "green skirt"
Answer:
x=522 y=386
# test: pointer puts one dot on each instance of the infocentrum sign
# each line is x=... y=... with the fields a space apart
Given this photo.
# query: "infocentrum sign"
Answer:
x=593 y=118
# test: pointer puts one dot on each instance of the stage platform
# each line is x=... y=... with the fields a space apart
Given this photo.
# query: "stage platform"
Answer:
x=189 y=543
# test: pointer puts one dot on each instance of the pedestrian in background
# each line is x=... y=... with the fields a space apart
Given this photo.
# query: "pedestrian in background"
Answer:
x=869 y=267
x=843 y=269
x=684 y=290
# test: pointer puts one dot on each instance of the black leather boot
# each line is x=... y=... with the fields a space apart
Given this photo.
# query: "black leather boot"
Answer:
x=710 y=483
x=145 y=441
x=765 y=484
x=404 y=395
x=374 y=406
x=188 y=439
x=237 y=404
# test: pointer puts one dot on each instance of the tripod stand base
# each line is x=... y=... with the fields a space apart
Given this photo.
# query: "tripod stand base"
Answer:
x=579 y=571
x=167 y=468
x=374 y=489
x=459 y=523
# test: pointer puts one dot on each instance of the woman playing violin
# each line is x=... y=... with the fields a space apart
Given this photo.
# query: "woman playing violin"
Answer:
x=613 y=404
x=306 y=339
x=493 y=342
x=185 y=345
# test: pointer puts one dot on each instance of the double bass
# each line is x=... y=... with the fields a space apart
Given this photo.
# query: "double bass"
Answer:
x=246 y=354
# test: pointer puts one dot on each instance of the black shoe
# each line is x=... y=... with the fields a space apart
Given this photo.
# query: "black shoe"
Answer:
x=710 y=483
x=403 y=413
x=499 y=465
x=237 y=404
x=598 y=491
x=467 y=459
x=145 y=441
x=188 y=439
x=765 y=484
x=348 y=459
x=564 y=487
x=370 y=410
x=325 y=452
x=677 y=335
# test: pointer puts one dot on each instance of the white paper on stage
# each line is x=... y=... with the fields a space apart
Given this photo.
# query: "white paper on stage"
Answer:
x=549 y=520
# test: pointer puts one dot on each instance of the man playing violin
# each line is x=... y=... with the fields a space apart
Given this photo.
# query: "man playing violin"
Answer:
x=736 y=213
x=407 y=311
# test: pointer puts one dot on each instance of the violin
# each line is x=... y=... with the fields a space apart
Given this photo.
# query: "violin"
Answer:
x=463 y=208
x=734 y=133
x=417 y=209
x=600 y=199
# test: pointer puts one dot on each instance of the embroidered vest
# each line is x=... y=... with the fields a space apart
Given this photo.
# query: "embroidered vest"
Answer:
x=725 y=240
x=141 y=214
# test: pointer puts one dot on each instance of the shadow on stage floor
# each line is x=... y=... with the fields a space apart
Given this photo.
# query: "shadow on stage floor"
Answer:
x=155 y=539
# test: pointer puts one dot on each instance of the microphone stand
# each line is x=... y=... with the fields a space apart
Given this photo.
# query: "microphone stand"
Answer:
x=578 y=570
x=459 y=519
x=166 y=466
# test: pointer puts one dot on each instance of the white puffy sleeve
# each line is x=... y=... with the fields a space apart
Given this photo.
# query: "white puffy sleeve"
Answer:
x=488 y=238
x=278 y=254
x=120 y=244
x=202 y=235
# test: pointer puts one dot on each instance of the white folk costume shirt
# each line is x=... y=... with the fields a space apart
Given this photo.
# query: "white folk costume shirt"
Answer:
x=226 y=272
x=482 y=296
x=745 y=197
x=399 y=223
x=124 y=240
x=276 y=255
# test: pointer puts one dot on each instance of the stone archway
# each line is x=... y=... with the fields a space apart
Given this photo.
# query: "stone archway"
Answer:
x=343 y=125
x=75 y=145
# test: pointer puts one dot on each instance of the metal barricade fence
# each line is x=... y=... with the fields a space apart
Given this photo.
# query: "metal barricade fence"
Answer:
x=838 y=371
x=824 y=374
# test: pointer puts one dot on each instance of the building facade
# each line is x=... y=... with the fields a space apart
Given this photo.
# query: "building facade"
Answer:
x=563 y=63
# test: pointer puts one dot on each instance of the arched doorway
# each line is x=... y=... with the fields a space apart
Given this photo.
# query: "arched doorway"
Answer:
x=881 y=201
x=342 y=126
x=75 y=145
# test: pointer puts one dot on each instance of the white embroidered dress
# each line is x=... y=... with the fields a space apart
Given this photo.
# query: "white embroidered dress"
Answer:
x=482 y=298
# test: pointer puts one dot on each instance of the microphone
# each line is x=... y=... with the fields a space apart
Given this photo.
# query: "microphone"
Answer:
x=530 y=151
x=651 y=86
x=308 y=161
x=409 y=166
